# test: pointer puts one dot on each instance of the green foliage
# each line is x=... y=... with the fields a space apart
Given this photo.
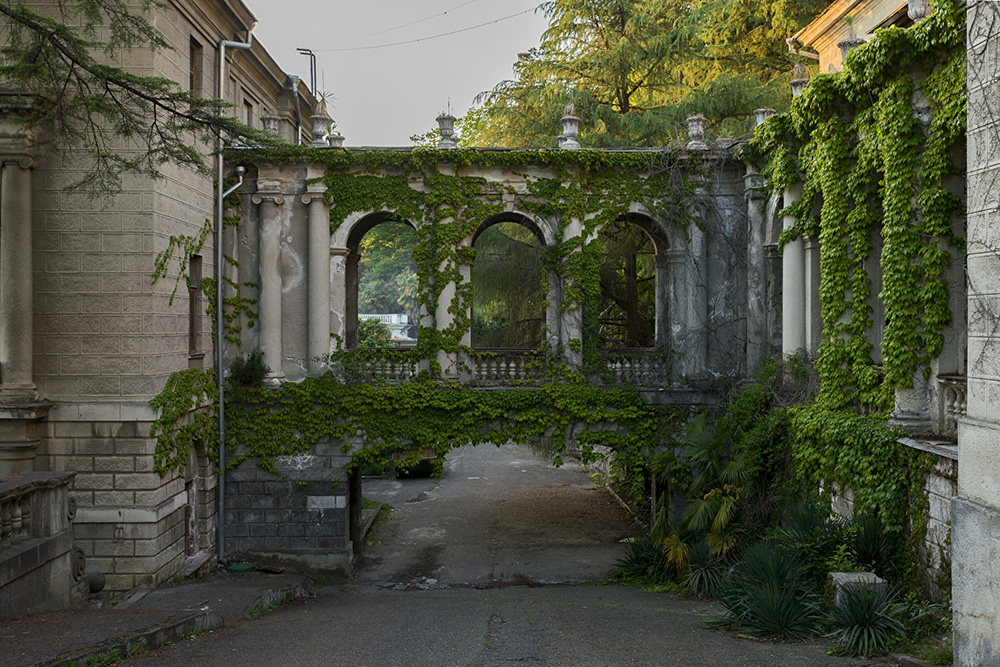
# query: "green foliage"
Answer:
x=867 y=620
x=768 y=595
x=63 y=57
x=635 y=70
x=373 y=333
x=871 y=168
x=705 y=570
x=643 y=563
x=248 y=371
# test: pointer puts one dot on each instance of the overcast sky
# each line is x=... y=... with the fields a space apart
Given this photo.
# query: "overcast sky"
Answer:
x=382 y=96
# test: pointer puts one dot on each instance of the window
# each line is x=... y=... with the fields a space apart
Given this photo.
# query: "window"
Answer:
x=248 y=112
x=194 y=67
x=194 y=304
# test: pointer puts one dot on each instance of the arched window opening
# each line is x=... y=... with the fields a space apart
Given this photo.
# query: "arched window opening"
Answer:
x=508 y=295
x=626 y=305
x=388 y=304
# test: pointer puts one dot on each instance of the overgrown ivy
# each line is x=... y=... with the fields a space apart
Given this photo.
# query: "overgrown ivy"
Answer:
x=431 y=189
x=871 y=147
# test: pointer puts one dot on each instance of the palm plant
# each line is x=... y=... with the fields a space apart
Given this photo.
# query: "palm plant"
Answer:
x=867 y=619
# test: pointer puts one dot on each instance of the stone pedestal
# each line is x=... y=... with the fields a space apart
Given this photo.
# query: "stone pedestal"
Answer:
x=19 y=437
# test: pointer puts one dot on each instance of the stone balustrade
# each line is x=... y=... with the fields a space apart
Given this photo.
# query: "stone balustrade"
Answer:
x=953 y=401
x=39 y=568
x=639 y=369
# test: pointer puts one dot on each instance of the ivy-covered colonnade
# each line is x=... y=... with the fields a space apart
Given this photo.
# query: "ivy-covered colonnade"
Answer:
x=301 y=227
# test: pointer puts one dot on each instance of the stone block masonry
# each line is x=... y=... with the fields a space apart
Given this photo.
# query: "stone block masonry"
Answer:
x=299 y=516
x=132 y=525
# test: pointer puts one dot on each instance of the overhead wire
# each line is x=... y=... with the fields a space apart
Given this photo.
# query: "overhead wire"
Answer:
x=430 y=37
x=411 y=23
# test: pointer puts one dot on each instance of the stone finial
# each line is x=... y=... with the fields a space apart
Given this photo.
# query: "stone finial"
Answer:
x=696 y=133
x=760 y=115
x=271 y=125
x=918 y=9
x=846 y=45
x=799 y=71
x=320 y=125
x=446 y=128
x=571 y=130
x=798 y=85
x=335 y=139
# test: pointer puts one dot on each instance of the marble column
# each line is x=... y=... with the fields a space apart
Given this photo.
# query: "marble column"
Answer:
x=756 y=322
x=270 y=202
x=16 y=309
x=793 y=268
x=319 y=273
x=338 y=297
x=813 y=307
x=697 y=290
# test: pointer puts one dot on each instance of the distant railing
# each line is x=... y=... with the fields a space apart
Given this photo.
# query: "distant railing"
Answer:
x=391 y=318
x=640 y=368
x=390 y=368
x=508 y=367
x=952 y=390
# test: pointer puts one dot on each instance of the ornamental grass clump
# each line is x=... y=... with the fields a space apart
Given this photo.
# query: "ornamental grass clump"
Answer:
x=867 y=620
x=644 y=562
x=705 y=571
x=769 y=595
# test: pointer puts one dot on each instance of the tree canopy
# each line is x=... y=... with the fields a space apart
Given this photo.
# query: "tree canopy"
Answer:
x=635 y=69
x=80 y=101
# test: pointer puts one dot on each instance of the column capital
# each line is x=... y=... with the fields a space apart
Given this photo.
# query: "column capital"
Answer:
x=273 y=197
x=310 y=197
x=22 y=161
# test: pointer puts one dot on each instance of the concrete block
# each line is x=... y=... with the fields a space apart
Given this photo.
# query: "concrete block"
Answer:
x=975 y=583
x=114 y=464
x=81 y=283
x=79 y=324
x=100 y=386
x=114 y=547
x=113 y=499
x=93 y=482
x=80 y=365
x=138 y=481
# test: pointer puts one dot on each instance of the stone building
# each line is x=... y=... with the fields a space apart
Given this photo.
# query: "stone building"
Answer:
x=86 y=339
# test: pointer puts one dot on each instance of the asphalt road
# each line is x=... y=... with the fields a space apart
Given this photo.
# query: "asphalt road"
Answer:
x=500 y=562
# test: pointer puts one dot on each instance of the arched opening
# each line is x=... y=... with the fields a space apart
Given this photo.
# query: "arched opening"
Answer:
x=508 y=295
x=626 y=309
x=383 y=301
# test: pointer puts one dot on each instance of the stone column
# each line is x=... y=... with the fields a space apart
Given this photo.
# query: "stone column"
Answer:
x=756 y=321
x=663 y=302
x=793 y=282
x=677 y=330
x=338 y=296
x=813 y=307
x=270 y=200
x=16 y=309
x=571 y=316
x=319 y=275
x=696 y=303
x=773 y=295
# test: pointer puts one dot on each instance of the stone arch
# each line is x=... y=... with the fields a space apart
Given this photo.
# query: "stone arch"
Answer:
x=544 y=233
x=347 y=239
x=655 y=231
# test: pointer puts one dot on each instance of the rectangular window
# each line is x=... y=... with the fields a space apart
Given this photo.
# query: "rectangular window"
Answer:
x=248 y=112
x=194 y=67
x=194 y=303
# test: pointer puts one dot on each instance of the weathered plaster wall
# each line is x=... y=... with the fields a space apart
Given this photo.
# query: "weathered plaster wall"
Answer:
x=976 y=509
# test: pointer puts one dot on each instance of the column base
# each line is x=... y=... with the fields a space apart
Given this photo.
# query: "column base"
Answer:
x=18 y=436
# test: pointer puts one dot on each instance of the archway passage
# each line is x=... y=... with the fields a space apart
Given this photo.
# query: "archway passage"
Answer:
x=626 y=304
x=508 y=294
x=388 y=303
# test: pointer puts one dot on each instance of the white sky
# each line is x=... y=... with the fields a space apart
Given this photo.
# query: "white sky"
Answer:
x=380 y=97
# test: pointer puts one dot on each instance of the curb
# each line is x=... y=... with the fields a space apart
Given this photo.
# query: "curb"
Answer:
x=140 y=642
x=273 y=599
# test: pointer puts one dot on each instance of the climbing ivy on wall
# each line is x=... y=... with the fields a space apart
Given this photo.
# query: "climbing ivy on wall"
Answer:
x=871 y=147
x=427 y=188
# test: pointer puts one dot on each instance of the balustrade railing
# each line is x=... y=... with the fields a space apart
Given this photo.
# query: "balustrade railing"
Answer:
x=33 y=505
x=504 y=368
x=953 y=402
x=390 y=368
x=639 y=369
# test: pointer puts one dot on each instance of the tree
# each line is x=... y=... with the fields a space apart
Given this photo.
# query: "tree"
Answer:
x=508 y=299
x=387 y=273
x=635 y=69
x=82 y=102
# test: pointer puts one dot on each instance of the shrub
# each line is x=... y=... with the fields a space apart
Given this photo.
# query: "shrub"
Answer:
x=248 y=371
x=867 y=620
x=373 y=333
x=871 y=546
x=813 y=535
x=705 y=571
x=768 y=595
x=644 y=562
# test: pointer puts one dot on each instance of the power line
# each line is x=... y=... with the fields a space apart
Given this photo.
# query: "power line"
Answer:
x=424 y=39
x=407 y=25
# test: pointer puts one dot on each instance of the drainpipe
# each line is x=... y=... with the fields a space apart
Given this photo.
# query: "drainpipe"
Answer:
x=220 y=533
x=298 y=114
